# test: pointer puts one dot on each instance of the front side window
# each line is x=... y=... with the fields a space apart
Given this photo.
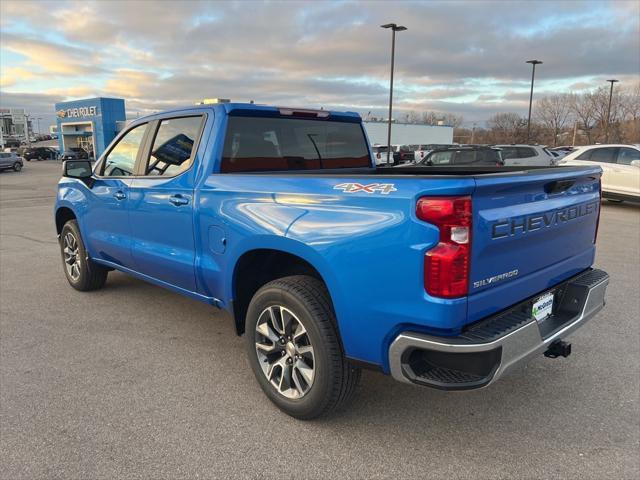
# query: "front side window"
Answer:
x=121 y=160
x=628 y=155
x=254 y=144
x=172 y=149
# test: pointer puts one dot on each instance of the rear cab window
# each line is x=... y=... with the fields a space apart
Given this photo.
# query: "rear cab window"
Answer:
x=261 y=144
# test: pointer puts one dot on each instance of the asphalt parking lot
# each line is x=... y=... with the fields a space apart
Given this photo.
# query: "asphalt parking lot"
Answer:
x=134 y=381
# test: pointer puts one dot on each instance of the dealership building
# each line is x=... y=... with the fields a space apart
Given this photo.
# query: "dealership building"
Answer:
x=90 y=124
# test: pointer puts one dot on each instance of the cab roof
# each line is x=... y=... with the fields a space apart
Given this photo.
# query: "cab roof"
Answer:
x=253 y=109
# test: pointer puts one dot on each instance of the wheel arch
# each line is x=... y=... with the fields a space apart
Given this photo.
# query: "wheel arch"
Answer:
x=256 y=267
x=63 y=215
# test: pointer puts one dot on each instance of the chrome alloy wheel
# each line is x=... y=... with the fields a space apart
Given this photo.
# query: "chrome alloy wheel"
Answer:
x=72 y=256
x=284 y=351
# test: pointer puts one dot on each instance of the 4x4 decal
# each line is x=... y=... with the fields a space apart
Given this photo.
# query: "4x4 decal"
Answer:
x=383 y=188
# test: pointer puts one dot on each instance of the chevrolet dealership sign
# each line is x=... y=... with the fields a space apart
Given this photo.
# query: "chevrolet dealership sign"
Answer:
x=78 y=112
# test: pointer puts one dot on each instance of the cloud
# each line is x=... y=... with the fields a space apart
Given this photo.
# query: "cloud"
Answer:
x=43 y=56
x=130 y=83
x=465 y=56
x=12 y=75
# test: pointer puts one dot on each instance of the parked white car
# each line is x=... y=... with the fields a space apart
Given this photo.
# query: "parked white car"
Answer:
x=535 y=155
x=620 y=168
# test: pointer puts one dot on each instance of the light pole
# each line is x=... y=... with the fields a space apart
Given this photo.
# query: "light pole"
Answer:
x=38 y=120
x=394 y=28
x=26 y=129
x=533 y=76
x=612 y=81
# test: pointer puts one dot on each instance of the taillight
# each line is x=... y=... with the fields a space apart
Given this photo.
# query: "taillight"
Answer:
x=595 y=237
x=446 y=266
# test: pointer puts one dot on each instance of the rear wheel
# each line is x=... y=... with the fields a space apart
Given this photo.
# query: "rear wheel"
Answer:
x=17 y=166
x=81 y=272
x=294 y=349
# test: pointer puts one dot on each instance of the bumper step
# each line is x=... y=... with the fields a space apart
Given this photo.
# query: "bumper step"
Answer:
x=485 y=350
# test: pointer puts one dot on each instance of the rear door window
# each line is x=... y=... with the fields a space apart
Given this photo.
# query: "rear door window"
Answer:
x=509 y=152
x=440 y=158
x=173 y=146
x=254 y=144
x=605 y=155
x=525 y=152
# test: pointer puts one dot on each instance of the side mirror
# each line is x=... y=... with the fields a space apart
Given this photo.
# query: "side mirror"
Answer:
x=635 y=163
x=77 y=169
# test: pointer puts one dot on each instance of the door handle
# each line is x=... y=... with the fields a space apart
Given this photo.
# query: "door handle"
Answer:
x=178 y=200
x=119 y=195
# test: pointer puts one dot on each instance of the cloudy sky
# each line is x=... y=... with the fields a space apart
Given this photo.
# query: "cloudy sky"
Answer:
x=464 y=57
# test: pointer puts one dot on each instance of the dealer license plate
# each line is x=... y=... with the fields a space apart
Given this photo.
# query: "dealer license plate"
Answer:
x=542 y=307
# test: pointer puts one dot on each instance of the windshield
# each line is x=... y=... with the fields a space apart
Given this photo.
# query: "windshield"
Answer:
x=254 y=144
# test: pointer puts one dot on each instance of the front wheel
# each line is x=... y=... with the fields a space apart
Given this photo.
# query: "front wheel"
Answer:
x=81 y=272
x=17 y=167
x=294 y=349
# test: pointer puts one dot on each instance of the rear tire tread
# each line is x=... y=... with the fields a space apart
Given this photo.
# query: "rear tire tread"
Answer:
x=315 y=295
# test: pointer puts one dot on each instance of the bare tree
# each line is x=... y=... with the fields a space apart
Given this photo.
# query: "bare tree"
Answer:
x=583 y=107
x=430 y=118
x=553 y=113
x=507 y=128
x=453 y=120
x=413 y=117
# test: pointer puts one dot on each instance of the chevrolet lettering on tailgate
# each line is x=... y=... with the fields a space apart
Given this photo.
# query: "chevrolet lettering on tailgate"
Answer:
x=531 y=223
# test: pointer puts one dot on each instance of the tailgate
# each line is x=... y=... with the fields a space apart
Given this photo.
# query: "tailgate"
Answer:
x=531 y=230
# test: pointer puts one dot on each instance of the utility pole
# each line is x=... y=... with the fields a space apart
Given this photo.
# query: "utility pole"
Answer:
x=394 y=28
x=533 y=76
x=575 y=131
x=612 y=81
x=473 y=133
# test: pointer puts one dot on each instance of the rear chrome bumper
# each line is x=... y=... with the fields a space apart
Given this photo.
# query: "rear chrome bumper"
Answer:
x=490 y=348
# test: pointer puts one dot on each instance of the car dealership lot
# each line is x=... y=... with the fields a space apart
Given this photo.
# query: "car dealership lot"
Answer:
x=134 y=381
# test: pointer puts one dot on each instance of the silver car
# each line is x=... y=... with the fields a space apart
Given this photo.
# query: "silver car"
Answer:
x=10 y=160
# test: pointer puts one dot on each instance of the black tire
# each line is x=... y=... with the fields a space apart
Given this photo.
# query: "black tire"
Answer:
x=90 y=275
x=17 y=167
x=335 y=378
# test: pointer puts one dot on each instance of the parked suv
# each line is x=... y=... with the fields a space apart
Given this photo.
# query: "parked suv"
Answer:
x=40 y=153
x=10 y=161
x=534 y=155
x=471 y=155
x=620 y=168
x=403 y=153
x=74 y=153
x=380 y=154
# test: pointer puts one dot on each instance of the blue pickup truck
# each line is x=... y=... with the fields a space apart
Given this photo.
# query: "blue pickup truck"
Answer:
x=446 y=277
